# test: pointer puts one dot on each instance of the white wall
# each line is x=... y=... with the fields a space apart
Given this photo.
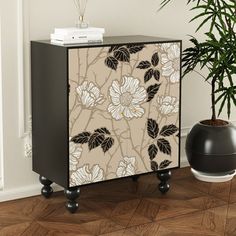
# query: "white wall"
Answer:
x=16 y=166
x=119 y=17
x=122 y=17
x=1 y=120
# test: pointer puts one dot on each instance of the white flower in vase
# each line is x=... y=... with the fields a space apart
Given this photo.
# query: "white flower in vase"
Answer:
x=86 y=175
x=89 y=94
x=126 y=167
x=126 y=98
x=75 y=154
x=171 y=63
x=168 y=105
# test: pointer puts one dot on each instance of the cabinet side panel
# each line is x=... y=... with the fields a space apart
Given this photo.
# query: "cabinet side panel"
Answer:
x=50 y=112
x=124 y=111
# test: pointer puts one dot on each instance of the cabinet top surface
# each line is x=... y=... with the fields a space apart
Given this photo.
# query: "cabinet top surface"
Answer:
x=116 y=40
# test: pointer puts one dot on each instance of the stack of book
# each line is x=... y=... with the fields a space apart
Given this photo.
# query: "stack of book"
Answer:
x=77 y=35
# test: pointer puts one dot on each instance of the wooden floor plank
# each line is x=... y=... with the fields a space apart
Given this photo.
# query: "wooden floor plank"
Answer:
x=127 y=208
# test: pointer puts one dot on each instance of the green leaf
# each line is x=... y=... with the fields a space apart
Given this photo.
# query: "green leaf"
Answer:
x=219 y=98
x=234 y=99
x=164 y=3
x=217 y=53
x=228 y=105
x=222 y=105
x=204 y=22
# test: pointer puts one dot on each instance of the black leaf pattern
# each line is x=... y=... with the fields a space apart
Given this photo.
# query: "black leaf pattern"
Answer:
x=155 y=59
x=107 y=144
x=111 y=62
x=113 y=48
x=165 y=164
x=152 y=128
x=156 y=74
x=81 y=138
x=154 y=166
x=134 y=48
x=152 y=90
x=148 y=75
x=152 y=151
x=144 y=65
x=122 y=54
x=168 y=130
x=95 y=140
x=102 y=130
x=164 y=146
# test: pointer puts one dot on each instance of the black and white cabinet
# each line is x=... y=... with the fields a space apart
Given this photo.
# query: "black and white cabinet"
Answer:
x=105 y=111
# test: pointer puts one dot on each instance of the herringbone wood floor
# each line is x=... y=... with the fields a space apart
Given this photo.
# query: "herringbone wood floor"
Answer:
x=126 y=208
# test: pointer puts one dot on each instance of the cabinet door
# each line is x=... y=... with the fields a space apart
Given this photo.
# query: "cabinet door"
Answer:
x=123 y=111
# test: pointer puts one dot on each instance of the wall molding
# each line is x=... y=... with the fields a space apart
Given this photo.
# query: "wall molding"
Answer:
x=23 y=64
x=23 y=49
x=25 y=191
x=1 y=114
x=1 y=184
x=20 y=67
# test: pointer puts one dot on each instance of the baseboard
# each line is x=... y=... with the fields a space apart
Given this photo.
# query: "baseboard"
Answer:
x=183 y=161
x=23 y=192
x=34 y=190
x=1 y=184
x=184 y=164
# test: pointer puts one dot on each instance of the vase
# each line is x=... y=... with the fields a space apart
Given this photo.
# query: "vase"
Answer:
x=211 y=151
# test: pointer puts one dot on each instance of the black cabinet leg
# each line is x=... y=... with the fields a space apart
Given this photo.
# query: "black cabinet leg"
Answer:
x=72 y=194
x=135 y=178
x=46 y=190
x=164 y=176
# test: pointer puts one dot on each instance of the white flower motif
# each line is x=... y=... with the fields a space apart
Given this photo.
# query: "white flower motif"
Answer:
x=126 y=98
x=171 y=63
x=89 y=94
x=86 y=175
x=75 y=154
x=126 y=167
x=165 y=46
x=168 y=105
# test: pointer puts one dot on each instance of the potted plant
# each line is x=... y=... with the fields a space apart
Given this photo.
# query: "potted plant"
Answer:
x=211 y=143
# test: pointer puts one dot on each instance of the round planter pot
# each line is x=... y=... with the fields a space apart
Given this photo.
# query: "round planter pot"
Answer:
x=211 y=152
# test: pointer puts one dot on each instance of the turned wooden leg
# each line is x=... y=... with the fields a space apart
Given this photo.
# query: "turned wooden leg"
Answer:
x=135 y=178
x=72 y=194
x=46 y=190
x=164 y=176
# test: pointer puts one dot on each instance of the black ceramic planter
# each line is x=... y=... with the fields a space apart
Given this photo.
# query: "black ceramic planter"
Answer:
x=212 y=149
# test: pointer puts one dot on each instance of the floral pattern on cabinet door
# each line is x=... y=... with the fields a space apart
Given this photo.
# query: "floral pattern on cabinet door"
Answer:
x=123 y=111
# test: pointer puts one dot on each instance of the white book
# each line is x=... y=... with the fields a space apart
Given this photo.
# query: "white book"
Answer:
x=75 y=37
x=78 y=41
x=74 y=30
